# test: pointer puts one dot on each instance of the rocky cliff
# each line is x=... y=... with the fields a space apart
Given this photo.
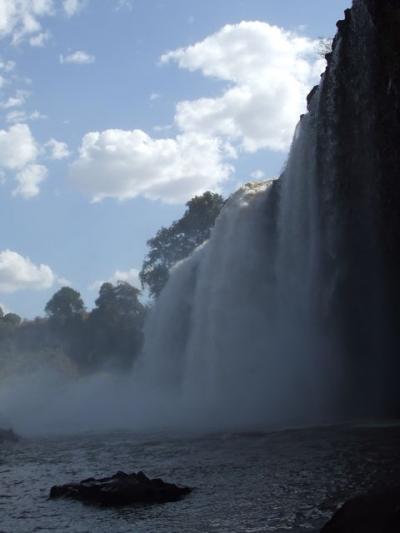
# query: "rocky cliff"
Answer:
x=358 y=187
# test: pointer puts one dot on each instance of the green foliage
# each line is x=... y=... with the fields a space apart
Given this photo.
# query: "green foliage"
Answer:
x=115 y=326
x=9 y=324
x=175 y=243
x=110 y=336
x=64 y=305
x=12 y=319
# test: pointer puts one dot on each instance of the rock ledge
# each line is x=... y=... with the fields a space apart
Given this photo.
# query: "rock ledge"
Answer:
x=376 y=512
x=121 y=489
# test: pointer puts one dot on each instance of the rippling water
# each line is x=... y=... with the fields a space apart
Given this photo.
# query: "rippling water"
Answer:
x=255 y=482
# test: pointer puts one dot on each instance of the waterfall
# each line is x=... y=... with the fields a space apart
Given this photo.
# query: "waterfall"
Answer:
x=290 y=311
x=232 y=337
x=210 y=333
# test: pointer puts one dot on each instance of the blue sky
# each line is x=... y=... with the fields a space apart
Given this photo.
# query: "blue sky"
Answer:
x=114 y=113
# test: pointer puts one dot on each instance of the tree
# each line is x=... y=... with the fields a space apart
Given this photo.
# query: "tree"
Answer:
x=325 y=46
x=65 y=305
x=175 y=243
x=9 y=323
x=66 y=312
x=12 y=319
x=115 y=326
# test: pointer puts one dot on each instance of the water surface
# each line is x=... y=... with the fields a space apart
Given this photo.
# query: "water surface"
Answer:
x=253 y=482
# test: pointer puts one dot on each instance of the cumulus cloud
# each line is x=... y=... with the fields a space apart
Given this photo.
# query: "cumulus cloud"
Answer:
x=124 y=164
x=19 y=152
x=269 y=72
x=21 y=18
x=17 y=147
x=80 y=57
x=130 y=276
x=71 y=7
x=57 y=150
x=28 y=181
x=18 y=272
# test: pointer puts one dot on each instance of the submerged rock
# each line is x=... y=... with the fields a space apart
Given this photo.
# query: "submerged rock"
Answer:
x=376 y=512
x=121 y=489
x=7 y=435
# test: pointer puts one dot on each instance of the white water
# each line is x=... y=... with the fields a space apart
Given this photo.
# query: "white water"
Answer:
x=234 y=338
x=234 y=335
x=231 y=342
x=208 y=338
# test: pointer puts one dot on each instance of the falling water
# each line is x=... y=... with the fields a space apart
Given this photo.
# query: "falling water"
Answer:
x=231 y=334
x=289 y=312
x=236 y=333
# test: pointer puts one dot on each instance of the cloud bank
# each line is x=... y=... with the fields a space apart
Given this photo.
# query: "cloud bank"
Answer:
x=268 y=72
x=124 y=164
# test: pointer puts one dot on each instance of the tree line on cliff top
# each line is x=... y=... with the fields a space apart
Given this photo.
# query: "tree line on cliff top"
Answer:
x=110 y=336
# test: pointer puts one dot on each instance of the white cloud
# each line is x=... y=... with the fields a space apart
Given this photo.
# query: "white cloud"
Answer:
x=15 y=101
x=154 y=96
x=72 y=7
x=130 y=276
x=57 y=150
x=80 y=57
x=160 y=128
x=269 y=71
x=21 y=18
x=19 y=152
x=258 y=174
x=123 y=4
x=17 y=147
x=39 y=39
x=18 y=272
x=28 y=180
x=7 y=66
x=17 y=117
x=4 y=308
x=124 y=164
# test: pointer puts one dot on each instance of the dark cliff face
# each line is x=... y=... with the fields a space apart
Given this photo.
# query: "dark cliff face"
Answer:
x=358 y=182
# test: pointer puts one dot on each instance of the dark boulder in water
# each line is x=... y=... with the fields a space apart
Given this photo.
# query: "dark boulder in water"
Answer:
x=376 y=512
x=7 y=435
x=121 y=489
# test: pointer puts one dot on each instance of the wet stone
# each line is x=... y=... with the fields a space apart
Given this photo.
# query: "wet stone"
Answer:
x=120 y=490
